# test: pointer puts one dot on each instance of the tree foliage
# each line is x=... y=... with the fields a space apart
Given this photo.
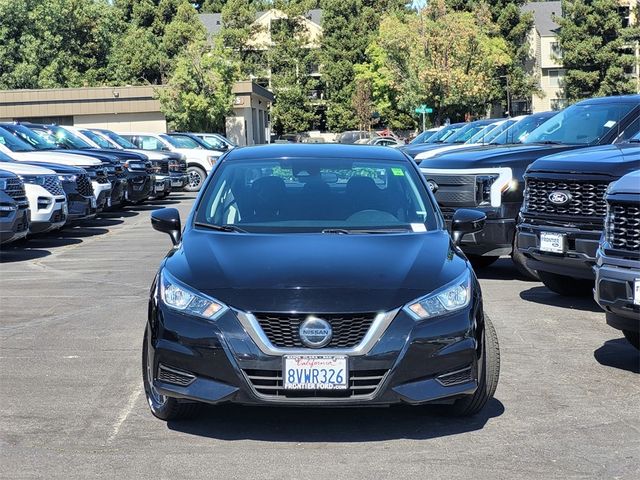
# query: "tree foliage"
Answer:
x=594 y=45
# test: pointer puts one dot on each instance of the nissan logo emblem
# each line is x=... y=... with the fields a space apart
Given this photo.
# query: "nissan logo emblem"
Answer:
x=315 y=332
x=433 y=186
x=559 y=197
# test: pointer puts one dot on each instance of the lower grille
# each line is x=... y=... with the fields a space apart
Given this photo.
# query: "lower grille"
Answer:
x=102 y=179
x=624 y=226
x=53 y=185
x=15 y=189
x=177 y=377
x=282 y=330
x=454 y=378
x=269 y=383
x=586 y=198
x=83 y=185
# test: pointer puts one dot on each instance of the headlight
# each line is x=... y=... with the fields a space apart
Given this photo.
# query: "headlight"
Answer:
x=609 y=225
x=68 y=178
x=179 y=297
x=454 y=296
x=34 y=179
x=212 y=160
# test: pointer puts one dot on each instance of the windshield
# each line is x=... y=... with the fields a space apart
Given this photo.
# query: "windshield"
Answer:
x=123 y=142
x=97 y=139
x=13 y=143
x=62 y=137
x=423 y=137
x=581 y=124
x=212 y=142
x=521 y=130
x=491 y=132
x=28 y=136
x=181 y=141
x=466 y=132
x=314 y=195
x=441 y=135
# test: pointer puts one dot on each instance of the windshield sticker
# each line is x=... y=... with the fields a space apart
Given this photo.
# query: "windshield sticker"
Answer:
x=398 y=172
x=610 y=124
x=418 y=227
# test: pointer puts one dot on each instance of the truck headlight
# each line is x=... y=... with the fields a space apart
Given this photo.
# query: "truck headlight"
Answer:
x=178 y=296
x=67 y=178
x=454 y=296
x=212 y=159
x=33 y=179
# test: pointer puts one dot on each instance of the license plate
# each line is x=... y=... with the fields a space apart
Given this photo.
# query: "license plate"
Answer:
x=315 y=372
x=636 y=291
x=552 y=242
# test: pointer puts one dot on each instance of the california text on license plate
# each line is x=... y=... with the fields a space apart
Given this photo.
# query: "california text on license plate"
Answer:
x=315 y=372
x=552 y=242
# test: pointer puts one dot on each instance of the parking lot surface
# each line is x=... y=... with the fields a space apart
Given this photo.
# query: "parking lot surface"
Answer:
x=72 y=313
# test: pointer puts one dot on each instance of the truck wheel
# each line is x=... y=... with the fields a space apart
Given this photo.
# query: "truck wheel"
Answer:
x=488 y=383
x=196 y=178
x=566 y=286
x=478 y=261
x=520 y=261
x=632 y=337
x=163 y=407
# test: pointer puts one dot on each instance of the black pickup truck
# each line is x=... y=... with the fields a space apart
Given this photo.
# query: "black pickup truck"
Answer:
x=564 y=208
x=618 y=258
x=491 y=178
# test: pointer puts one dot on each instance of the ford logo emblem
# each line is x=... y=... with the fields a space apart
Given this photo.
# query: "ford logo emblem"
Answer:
x=559 y=197
x=315 y=332
x=433 y=186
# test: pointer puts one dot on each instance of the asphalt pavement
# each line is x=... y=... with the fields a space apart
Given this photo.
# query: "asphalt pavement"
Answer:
x=72 y=313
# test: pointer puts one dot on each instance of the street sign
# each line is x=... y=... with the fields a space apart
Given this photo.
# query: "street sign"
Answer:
x=424 y=109
x=428 y=110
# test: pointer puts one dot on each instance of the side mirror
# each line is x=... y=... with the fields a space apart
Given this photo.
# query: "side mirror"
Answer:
x=167 y=220
x=466 y=221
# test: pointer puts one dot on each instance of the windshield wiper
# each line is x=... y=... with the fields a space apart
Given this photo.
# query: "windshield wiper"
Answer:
x=344 y=231
x=549 y=142
x=220 y=228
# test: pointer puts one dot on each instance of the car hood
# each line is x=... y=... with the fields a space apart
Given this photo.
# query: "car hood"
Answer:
x=630 y=183
x=611 y=160
x=56 y=157
x=443 y=149
x=198 y=153
x=24 y=169
x=315 y=272
x=58 y=168
x=413 y=150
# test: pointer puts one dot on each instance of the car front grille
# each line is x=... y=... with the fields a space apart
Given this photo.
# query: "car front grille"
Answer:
x=624 y=226
x=586 y=197
x=172 y=375
x=53 y=185
x=15 y=189
x=102 y=178
x=162 y=166
x=282 y=330
x=83 y=185
x=269 y=383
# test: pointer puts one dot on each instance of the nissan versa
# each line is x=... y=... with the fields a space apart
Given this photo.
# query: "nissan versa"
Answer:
x=316 y=275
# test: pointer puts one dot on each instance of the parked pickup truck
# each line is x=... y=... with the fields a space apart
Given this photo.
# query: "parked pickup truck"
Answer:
x=491 y=178
x=564 y=208
x=618 y=258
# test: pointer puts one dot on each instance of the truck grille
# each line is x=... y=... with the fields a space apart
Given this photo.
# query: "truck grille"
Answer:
x=624 y=227
x=269 y=383
x=162 y=166
x=454 y=190
x=15 y=189
x=586 y=197
x=83 y=185
x=53 y=185
x=282 y=330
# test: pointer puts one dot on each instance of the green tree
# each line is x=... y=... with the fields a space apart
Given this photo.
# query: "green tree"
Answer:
x=595 y=52
x=198 y=95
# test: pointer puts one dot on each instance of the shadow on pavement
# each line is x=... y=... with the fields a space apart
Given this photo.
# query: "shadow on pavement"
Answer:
x=544 y=296
x=618 y=354
x=10 y=254
x=502 y=269
x=305 y=425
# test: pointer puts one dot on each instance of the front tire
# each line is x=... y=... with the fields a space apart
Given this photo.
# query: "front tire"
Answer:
x=488 y=383
x=196 y=177
x=632 y=337
x=566 y=286
x=162 y=407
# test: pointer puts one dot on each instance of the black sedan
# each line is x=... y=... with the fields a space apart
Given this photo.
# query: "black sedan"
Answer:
x=316 y=275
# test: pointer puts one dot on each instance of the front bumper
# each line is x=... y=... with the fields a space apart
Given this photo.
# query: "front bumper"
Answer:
x=139 y=187
x=614 y=290
x=14 y=224
x=576 y=262
x=118 y=189
x=102 y=193
x=162 y=185
x=406 y=364
x=81 y=207
x=179 y=180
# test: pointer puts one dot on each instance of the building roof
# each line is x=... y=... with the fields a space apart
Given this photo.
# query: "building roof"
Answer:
x=543 y=13
x=213 y=21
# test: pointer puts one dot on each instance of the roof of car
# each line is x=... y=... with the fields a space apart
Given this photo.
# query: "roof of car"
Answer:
x=315 y=150
x=615 y=99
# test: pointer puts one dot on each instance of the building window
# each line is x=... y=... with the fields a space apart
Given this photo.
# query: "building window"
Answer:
x=557 y=103
x=556 y=51
x=555 y=77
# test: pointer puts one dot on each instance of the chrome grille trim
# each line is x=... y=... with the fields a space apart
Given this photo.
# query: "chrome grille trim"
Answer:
x=587 y=197
x=15 y=189
x=625 y=226
x=53 y=185
x=379 y=325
